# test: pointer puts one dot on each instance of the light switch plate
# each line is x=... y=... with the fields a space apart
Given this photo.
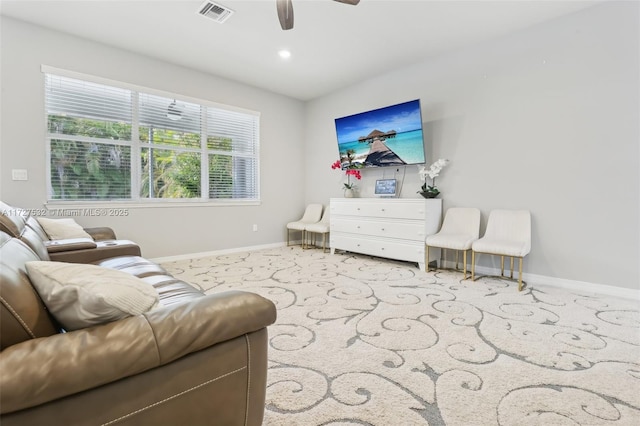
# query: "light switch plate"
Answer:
x=19 y=174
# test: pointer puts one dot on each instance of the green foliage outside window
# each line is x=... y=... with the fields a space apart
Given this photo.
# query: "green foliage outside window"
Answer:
x=82 y=170
x=102 y=170
x=170 y=174
x=220 y=177
x=85 y=127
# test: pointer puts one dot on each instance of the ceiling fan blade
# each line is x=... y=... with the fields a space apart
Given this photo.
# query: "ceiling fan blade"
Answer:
x=353 y=2
x=285 y=13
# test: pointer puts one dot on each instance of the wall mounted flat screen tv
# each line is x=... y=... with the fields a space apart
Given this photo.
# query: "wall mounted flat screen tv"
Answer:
x=389 y=136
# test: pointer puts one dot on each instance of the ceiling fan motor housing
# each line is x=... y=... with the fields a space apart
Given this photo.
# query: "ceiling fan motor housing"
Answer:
x=285 y=11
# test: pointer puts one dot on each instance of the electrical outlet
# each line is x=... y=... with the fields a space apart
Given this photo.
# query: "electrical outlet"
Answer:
x=255 y=227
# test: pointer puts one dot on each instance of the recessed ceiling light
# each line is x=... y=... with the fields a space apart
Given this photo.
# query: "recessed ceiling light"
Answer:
x=284 y=54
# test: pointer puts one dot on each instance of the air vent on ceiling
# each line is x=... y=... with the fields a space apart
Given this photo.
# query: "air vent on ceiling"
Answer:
x=215 y=11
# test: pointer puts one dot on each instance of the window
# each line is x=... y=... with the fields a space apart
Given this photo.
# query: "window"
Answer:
x=106 y=142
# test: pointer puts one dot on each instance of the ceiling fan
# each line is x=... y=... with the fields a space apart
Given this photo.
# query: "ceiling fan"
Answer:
x=285 y=11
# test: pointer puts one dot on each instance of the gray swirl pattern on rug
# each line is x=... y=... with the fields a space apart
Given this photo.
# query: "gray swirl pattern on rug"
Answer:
x=368 y=341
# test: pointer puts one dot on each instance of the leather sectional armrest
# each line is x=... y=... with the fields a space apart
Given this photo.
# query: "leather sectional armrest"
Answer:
x=70 y=244
x=101 y=233
x=41 y=370
x=205 y=321
x=106 y=249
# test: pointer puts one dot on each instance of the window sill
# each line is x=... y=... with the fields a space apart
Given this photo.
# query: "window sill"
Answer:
x=111 y=208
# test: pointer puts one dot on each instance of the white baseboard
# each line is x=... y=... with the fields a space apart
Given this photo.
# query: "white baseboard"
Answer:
x=566 y=284
x=216 y=252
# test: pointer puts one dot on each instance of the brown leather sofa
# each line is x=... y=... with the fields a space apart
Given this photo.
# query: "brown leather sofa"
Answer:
x=196 y=360
x=103 y=243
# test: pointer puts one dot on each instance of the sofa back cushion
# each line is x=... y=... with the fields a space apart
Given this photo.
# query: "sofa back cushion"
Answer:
x=19 y=224
x=33 y=223
x=23 y=316
x=12 y=220
x=33 y=241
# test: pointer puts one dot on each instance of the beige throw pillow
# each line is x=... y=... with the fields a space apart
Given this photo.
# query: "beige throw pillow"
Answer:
x=62 y=229
x=80 y=295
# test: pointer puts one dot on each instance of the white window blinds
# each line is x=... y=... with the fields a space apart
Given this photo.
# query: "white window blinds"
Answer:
x=232 y=157
x=114 y=143
x=89 y=140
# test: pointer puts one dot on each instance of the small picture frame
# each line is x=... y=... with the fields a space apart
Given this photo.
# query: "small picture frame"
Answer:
x=386 y=188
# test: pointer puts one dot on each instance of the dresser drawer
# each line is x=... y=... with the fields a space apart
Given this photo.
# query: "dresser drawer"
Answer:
x=393 y=228
x=407 y=251
x=410 y=230
x=409 y=209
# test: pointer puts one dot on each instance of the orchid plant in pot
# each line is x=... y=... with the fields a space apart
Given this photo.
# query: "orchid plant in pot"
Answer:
x=431 y=191
x=350 y=170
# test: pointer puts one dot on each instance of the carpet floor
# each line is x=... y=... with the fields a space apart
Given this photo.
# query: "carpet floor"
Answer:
x=369 y=341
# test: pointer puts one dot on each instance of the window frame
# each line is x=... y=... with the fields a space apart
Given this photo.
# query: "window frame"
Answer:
x=137 y=146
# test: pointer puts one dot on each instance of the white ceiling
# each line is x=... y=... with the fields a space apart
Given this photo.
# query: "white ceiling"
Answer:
x=333 y=45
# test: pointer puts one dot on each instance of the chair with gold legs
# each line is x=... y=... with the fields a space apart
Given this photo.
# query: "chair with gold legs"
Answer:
x=312 y=214
x=460 y=228
x=321 y=227
x=508 y=234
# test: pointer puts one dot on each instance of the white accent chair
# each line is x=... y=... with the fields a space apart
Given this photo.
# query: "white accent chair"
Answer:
x=321 y=227
x=311 y=215
x=460 y=228
x=508 y=234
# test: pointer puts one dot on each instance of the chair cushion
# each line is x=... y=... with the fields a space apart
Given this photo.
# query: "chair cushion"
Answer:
x=62 y=229
x=451 y=241
x=80 y=296
x=299 y=225
x=319 y=228
x=501 y=247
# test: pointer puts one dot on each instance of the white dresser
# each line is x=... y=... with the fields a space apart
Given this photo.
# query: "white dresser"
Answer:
x=394 y=228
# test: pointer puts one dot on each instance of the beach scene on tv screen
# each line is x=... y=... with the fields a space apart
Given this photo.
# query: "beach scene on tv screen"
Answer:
x=390 y=136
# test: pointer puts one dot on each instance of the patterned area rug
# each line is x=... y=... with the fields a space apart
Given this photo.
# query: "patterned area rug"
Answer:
x=368 y=341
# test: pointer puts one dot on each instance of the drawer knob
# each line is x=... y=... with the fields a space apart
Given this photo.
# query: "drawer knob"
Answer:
x=383 y=229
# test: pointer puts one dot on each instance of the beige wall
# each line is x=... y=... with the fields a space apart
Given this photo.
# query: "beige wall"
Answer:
x=546 y=120
x=160 y=231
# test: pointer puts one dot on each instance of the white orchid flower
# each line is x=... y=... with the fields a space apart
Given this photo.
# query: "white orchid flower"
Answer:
x=429 y=191
x=434 y=170
x=422 y=173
